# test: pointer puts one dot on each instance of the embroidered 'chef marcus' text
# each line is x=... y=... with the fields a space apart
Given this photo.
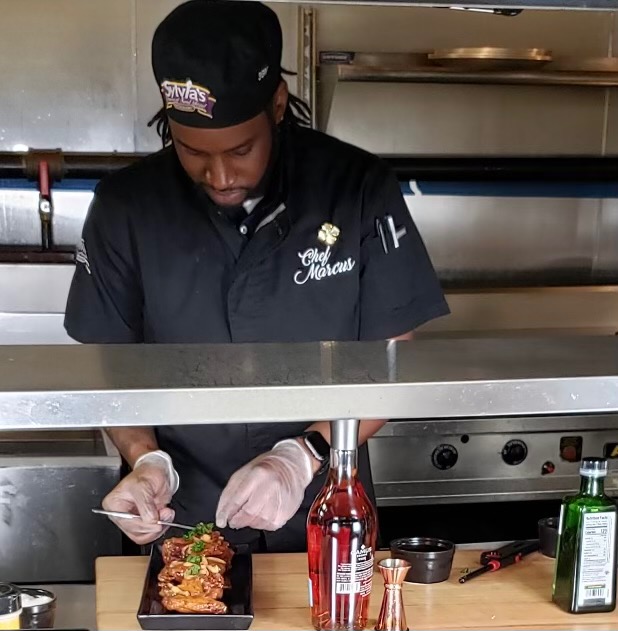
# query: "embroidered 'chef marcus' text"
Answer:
x=316 y=266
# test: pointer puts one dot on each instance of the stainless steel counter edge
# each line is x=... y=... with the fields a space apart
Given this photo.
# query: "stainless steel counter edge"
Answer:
x=56 y=387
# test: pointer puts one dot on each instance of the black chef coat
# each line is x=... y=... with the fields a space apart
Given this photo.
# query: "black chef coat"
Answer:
x=159 y=263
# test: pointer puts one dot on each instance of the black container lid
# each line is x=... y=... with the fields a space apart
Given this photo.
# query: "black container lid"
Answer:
x=10 y=599
x=593 y=467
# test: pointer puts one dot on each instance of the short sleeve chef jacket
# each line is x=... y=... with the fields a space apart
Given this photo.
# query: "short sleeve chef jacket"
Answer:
x=158 y=263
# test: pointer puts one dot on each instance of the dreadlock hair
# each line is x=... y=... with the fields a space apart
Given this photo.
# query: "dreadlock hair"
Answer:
x=297 y=113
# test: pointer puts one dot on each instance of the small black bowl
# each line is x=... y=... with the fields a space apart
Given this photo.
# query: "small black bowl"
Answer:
x=548 y=536
x=430 y=559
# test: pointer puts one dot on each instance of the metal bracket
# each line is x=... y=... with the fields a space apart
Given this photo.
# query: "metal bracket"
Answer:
x=307 y=59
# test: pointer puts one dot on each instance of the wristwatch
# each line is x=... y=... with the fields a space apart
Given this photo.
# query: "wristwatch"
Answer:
x=319 y=448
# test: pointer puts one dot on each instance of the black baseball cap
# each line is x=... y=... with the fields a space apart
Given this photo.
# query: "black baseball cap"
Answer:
x=217 y=62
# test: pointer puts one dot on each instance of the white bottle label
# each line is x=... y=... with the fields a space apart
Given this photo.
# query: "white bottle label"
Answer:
x=596 y=570
x=356 y=577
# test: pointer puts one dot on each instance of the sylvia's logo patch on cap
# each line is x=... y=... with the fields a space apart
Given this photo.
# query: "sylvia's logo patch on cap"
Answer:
x=188 y=97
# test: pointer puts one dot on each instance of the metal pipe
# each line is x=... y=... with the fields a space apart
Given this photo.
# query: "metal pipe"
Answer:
x=71 y=165
x=443 y=168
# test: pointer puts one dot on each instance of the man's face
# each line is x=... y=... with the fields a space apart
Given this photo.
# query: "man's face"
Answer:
x=228 y=163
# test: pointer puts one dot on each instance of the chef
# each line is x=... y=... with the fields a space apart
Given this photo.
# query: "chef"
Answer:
x=246 y=227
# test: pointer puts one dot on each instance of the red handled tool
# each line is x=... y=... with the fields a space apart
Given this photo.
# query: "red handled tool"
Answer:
x=46 y=208
x=492 y=560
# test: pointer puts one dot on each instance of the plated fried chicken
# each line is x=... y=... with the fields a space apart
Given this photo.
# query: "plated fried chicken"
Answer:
x=194 y=575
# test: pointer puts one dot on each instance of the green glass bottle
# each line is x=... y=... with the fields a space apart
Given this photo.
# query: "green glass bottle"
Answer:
x=585 y=570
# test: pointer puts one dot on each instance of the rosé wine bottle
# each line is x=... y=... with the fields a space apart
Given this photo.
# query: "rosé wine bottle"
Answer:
x=341 y=539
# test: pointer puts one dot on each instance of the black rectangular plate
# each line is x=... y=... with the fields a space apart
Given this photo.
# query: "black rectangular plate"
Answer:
x=239 y=599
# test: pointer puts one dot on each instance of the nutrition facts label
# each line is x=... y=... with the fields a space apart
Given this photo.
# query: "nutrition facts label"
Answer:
x=597 y=558
x=356 y=578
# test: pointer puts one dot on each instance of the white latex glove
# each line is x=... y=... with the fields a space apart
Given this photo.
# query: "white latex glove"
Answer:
x=146 y=491
x=268 y=491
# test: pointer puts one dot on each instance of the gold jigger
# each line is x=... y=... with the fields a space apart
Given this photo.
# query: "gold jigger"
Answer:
x=392 y=614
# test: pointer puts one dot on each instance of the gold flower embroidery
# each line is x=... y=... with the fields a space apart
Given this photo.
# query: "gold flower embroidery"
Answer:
x=328 y=234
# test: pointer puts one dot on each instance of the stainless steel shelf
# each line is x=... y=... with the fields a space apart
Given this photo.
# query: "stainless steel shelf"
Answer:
x=56 y=387
x=338 y=67
x=369 y=73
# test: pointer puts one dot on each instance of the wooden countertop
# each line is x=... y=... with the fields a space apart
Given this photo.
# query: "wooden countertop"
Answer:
x=517 y=597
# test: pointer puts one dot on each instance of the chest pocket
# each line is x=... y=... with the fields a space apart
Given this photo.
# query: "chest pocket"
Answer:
x=322 y=283
x=186 y=293
x=302 y=291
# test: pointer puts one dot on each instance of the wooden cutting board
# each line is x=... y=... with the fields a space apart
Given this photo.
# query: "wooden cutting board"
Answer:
x=517 y=597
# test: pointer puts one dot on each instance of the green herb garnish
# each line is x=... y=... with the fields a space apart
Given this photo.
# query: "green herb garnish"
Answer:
x=199 y=530
x=198 y=547
x=204 y=529
x=194 y=570
x=194 y=558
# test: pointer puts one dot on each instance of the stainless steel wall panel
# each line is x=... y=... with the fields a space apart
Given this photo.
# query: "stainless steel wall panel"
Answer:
x=468 y=120
x=20 y=224
x=70 y=208
x=606 y=247
x=33 y=328
x=47 y=486
x=32 y=303
x=47 y=532
x=148 y=14
x=34 y=288
x=396 y=29
x=19 y=217
x=572 y=311
x=438 y=119
x=42 y=289
x=477 y=237
x=86 y=84
x=472 y=240
x=68 y=78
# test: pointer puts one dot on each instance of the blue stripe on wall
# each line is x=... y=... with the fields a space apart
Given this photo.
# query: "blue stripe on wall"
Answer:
x=64 y=185
x=594 y=190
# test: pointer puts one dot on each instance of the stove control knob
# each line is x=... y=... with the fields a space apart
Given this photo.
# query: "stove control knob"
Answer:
x=514 y=452
x=444 y=457
x=548 y=467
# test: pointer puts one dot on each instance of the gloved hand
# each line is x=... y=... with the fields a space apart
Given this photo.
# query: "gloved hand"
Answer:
x=265 y=493
x=146 y=491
